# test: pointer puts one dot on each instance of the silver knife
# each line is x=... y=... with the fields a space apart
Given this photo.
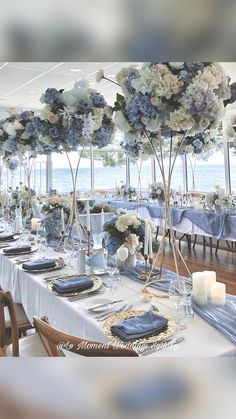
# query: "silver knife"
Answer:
x=105 y=304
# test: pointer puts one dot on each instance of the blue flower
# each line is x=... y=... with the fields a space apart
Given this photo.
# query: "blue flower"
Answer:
x=54 y=131
x=85 y=106
x=103 y=136
x=51 y=96
x=131 y=77
x=197 y=144
x=140 y=107
x=26 y=115
x=98 y=100
x=31 y=128
x=112 y=244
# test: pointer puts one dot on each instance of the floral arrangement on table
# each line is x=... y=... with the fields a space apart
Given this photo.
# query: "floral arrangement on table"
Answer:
x=126 y=234
x=157 y=191
x=162 y=100
x=56 y=211
x=82 y=205
x=219 y=199
x=98 y=208
x=127 y=191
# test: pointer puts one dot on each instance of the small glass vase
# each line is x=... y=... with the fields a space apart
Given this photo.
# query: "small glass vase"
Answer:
x=129 y=263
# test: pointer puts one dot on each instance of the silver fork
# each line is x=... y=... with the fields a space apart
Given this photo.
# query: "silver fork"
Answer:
x=124 y=308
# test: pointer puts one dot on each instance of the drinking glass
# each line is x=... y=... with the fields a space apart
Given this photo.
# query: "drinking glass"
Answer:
x=69 y=247
x=41 y=236
x=113 y=280
x=177 y=294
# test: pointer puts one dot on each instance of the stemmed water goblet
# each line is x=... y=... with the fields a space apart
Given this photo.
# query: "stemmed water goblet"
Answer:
x=178 y=295
x=113 y=281
x=69 y=247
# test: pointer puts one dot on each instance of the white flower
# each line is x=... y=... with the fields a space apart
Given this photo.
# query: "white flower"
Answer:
x=121 y=223
x=121 y=122
x=218 y=203
x=181 y=120
x=99 y=75
x=132 y=243
x=176 y=64
x=122 y=253
x=230 y=131
x=90 y=125
x=45 y=140
x=9 y=129
x=204 y=122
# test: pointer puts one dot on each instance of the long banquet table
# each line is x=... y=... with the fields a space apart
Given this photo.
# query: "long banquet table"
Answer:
x=186 y=220
x=201 y=339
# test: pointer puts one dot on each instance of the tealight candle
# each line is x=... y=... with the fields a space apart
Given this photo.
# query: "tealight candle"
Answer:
x=211 y=279
x=35 y=222
x=199 y=292
x=217 y=291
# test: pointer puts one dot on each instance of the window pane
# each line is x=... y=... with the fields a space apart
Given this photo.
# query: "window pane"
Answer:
x=232 y=161
x=114 y=171
x=207 y=174
x=140 y=174
x=62 y=180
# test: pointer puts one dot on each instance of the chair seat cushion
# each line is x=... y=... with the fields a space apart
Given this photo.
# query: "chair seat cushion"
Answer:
x=20 y=316
x=29 y=346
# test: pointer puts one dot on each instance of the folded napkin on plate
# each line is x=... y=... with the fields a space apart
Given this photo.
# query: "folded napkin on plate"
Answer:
x=6 y=236
x=39 y=264
x=79 y=283
x=18 y=249
x=140 y=326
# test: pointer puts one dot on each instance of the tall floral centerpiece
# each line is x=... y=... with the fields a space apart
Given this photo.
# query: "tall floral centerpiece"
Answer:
x=74 y=120
x=162 y=100
x=19 y=143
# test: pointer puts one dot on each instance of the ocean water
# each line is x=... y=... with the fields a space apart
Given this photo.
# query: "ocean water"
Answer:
x=206 y=177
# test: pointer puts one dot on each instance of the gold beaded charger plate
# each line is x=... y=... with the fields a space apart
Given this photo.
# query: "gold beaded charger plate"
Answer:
x=97 y=283
x=33 y=249
x=119 y=317
x=59 y=265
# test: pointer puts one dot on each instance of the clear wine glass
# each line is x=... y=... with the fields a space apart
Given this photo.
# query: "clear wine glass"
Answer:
x=113 y=281
x=178 y=294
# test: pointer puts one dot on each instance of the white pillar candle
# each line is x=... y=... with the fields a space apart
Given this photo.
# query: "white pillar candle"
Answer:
x=211 y=279
x=35 y=222
x=102 y=219
x=88 y=217
x=217 y=291
x=146 y=239
x=199 y=292
x=150 y=243
x=62 y=220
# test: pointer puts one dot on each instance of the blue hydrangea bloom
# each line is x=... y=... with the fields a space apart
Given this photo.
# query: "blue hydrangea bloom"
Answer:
x=103 y=136
x=132 y=76
x=26 y=115
x=51 y=96
x=98 y=100
x=112 y=244
x=138 y=107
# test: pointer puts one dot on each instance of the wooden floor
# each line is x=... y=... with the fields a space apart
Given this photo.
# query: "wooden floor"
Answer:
x=224 y=263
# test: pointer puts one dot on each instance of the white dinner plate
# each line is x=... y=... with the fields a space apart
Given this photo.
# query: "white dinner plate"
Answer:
x=97 y=302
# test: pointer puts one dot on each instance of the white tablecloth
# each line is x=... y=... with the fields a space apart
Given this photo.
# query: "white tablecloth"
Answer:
x=201 y=339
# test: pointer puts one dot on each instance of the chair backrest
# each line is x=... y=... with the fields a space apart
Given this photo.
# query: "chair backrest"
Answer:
x=54 y=341
x=6 y=301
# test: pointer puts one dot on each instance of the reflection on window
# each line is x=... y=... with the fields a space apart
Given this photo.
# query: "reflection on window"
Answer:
x=203 y=175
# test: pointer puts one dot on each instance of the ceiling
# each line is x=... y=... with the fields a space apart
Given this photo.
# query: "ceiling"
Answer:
x=22 y=83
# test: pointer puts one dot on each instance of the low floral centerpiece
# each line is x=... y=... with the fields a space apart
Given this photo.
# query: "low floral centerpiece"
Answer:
x=127 y=191
x=157 y=191
x=126 y=235
x=56 y=211
x=219 y=200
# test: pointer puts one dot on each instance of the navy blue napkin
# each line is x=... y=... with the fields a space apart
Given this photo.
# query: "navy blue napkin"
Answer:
x=140 y=326
x=5 y=236
x=79 y=283
x=18 y=249
x=39 y=264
